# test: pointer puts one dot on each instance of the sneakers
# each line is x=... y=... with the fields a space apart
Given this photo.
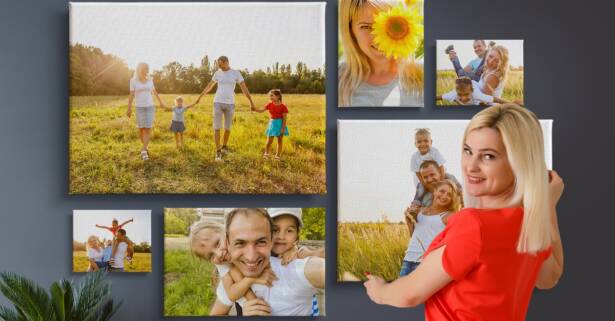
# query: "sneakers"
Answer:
x=219 y=156
x=265 y=155
x=144 y=155
x=225 y=150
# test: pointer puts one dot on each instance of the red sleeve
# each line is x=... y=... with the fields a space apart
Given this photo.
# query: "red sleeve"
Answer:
x=268 y=107
x=462 y=237
x=284 y=109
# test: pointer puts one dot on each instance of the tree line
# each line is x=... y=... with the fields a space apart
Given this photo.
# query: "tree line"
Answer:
x=92 y=72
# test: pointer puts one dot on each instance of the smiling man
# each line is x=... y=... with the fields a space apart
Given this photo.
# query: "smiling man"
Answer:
x=249 y=234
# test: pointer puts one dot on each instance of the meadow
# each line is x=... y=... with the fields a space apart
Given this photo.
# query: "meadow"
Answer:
x=141 y=262
x=378 y=248
x=513 y=89
x=104 y=149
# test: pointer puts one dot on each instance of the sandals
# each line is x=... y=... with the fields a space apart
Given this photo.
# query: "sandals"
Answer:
x=144 y=155
x=265 y=155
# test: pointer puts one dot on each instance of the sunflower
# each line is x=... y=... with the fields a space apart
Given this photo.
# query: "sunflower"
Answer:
x=398 y=31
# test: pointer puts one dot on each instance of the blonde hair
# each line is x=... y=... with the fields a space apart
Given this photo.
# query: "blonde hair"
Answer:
x=138 y=69
x=422 y=131
x=522 y=136
x=356 y=64
x=455 y=204
x=199 y=226
x=501 y=71
x=91 y=238
x=179 y=98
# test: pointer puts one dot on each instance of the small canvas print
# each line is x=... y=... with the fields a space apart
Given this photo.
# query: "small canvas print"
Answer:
x=384 y=188
x=244 y=262
x=380 y=53
x=112 y=241
x=197 y=98
x=479 y=72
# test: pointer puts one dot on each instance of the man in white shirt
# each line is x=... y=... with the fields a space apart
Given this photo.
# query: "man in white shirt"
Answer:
x=224 y=101
x=117 y=261
x=250 y=239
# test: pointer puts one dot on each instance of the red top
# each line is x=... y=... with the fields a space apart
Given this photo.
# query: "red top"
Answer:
x=491 y=281
x=276 y=111
x=114 y=230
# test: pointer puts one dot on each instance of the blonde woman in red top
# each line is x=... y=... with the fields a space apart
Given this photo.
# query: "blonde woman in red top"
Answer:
x=492 y=254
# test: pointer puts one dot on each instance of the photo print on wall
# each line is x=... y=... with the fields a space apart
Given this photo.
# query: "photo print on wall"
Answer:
x=231 y=261
x=112 y=240
x=420 y=160
x=380 y=53
x=197 y=98
x=479 y=72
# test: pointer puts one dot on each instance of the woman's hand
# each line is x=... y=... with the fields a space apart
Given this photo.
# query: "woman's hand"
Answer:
x=556 y=187
x=266 y=278
x=374 y=286
x=289 y=255
x=410 y=213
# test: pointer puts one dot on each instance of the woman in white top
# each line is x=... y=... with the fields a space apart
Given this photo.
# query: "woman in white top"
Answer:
x=495 y=72
x=141 y=92
x=367 y=78
x=95 y=253
x=429 y=222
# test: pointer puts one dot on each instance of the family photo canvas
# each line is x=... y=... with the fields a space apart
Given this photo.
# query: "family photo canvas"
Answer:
x=112 y=241
x=197 y=98
x=479 y=72
x=244 y=261
x=419 y=178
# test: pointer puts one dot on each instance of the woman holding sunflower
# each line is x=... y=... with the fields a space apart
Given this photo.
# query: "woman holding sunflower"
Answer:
x=381 y=40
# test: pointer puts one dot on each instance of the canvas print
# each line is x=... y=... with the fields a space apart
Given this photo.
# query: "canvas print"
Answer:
x=479 y=72
x=384 y=188
x=244 y=261
x=112 y=241
x=197 y=98
x=380 y=53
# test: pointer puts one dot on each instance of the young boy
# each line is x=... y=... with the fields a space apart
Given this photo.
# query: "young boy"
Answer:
x=467 y=92
x=425 y=151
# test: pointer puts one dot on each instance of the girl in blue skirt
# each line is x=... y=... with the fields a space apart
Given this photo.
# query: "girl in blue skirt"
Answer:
x=277 y=124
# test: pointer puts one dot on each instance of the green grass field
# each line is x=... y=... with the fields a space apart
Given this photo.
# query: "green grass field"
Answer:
x=104 y=150
x=377 y=248
x=188 y=288
x=513 y=89
x=141 y=262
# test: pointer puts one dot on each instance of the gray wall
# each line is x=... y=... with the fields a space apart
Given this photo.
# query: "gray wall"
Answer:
x=568 y=49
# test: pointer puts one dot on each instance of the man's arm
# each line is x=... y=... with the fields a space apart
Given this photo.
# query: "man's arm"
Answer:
x=246 y=92
x=209 y=87
x=315 y=271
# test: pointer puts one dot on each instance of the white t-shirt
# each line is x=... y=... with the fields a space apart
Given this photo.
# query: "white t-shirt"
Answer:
x=477 y=96
x=290 y=295
x=97 y=255
x=120 y=254
x=226 y=85
x=418 y=159
x=143 y=92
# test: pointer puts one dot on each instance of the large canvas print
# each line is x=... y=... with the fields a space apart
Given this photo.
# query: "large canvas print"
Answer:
x=244 y=262
x=400 y=168
x=197 y=98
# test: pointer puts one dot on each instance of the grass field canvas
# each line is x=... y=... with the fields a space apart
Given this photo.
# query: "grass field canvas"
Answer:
x=479 y=72
x=112 y=240
x=376 y=185
x=175 y=98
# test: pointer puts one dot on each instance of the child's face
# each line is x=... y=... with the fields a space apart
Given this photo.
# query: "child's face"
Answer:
x=423 y=143
x=464 y=94
x=179 y=102
x=114 y=223
x=208 y=245
x=443 y=196
x=285 y=233
x=273 y=97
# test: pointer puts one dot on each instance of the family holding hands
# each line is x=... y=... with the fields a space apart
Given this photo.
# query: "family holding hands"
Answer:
x=142 y=93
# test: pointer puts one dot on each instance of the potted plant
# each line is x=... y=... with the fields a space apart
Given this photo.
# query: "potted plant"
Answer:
x=88 y=300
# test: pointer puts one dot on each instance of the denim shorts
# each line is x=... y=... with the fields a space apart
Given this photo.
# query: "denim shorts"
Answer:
x=407 y=267
x=145 y=116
